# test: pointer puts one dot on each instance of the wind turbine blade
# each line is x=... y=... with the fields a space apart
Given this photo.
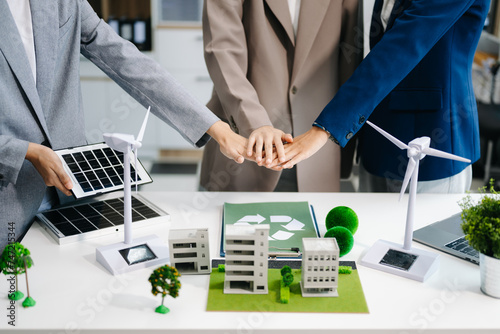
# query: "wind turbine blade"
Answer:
x=436 y=153
x=409 y=172
x=143 y=127
x=393 y=139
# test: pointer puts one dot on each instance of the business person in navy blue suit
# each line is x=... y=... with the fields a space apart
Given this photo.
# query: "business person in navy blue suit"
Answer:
x=416 y=81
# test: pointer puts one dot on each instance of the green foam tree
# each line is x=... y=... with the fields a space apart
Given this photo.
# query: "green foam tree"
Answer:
x=286 y=280
x=165 y=281
x=16 y=260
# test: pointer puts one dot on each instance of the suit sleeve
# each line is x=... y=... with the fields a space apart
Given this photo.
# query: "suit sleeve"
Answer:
x=226 y=56
x=412 y=36
x=144 y=79
x=13 y=153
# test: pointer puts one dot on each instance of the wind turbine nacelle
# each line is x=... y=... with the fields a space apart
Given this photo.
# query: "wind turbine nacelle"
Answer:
x=417 y=146
x=119 y=141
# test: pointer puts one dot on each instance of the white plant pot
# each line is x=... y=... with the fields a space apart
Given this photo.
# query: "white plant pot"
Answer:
x=489 y=268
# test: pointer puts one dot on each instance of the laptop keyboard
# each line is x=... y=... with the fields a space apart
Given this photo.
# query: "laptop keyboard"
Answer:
x=462 y=245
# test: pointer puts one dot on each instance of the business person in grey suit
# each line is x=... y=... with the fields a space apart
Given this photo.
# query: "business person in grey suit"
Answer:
x=40 y=101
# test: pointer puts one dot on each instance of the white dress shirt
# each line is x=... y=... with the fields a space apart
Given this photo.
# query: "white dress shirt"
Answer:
x=294 y=6
x=386 y=12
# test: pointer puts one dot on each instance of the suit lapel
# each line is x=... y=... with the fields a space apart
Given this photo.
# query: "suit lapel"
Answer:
x=397 y=10
x=311 y=16
x=282 y=12
x=45 y=34
x=12 y=48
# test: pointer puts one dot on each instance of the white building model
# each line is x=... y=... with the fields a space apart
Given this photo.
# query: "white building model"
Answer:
x=247 y=249
x=320 y=267
x=189 y=251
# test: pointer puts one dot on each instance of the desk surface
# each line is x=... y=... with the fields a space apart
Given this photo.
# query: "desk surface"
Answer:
x=75 y=294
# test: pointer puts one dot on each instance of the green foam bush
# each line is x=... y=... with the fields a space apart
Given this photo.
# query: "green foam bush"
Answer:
x=342 y=216
x=344 y=237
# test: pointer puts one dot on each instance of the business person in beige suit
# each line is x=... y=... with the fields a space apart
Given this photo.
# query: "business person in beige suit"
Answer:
x=274 y=65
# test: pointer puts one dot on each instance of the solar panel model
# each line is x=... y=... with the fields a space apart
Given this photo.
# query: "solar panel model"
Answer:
x=95 y=218
x=96 y=169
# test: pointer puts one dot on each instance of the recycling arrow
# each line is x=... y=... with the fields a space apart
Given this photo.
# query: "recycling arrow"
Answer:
x=280 y=219
x=294 y=225
x=291 y=226
x=252 y=219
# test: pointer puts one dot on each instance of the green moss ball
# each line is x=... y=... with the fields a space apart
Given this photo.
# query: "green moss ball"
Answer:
x=344 y=237
x=342 y=216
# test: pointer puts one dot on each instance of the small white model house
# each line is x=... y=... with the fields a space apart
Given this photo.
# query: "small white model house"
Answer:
x=189 y=250
x=320 y=267
x=247 y=249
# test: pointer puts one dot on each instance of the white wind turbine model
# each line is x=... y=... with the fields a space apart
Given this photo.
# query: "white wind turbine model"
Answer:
x=130 y=254
x=413 y=263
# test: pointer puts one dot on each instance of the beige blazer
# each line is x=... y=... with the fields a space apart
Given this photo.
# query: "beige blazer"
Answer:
x=264 y=75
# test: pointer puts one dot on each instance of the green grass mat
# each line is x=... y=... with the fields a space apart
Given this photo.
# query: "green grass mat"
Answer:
x=351 y=298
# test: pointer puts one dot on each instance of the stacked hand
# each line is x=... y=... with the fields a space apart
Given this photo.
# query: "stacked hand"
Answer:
x=301 y=148
x=268 y=146
x=232 y=145
x=263 y=146
x=271 y=140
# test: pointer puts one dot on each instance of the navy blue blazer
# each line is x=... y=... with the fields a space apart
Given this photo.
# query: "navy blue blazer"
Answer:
x=415 y=82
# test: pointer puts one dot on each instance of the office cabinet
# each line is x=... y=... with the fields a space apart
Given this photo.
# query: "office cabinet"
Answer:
x=131 y=19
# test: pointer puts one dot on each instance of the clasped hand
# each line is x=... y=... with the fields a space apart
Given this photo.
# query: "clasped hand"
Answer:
x=264 y=144
x=281 y=151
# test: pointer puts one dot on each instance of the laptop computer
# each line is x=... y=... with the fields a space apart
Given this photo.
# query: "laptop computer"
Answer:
x=447 y=235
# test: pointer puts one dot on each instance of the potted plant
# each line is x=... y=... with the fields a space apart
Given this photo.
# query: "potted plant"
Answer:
x=481 y=225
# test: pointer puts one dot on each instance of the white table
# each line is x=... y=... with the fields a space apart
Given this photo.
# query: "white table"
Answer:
x=75 y=294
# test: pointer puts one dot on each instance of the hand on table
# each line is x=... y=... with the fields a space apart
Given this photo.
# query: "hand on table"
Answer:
x=49 y=166
x=269 y=141
x=303 y=147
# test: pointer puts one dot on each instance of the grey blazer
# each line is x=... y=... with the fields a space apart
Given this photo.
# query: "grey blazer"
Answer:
x=51 y=112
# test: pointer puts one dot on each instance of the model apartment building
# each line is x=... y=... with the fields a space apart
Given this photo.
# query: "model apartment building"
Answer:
x=189 y=251
x=320 y=267
x=247 y=249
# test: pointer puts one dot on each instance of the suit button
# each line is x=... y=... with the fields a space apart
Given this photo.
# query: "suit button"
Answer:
x=349 y=135
x=362 y=119
x=294 y=90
